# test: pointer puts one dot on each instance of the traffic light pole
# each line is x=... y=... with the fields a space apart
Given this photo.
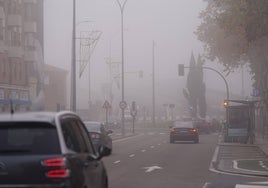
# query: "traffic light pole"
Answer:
x=181 y=72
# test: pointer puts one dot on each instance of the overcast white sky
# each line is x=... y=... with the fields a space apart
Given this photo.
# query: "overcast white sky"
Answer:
x=170 y=23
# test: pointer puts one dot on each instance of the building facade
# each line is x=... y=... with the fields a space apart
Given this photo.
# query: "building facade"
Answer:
x=55 y=88
x=21 y=53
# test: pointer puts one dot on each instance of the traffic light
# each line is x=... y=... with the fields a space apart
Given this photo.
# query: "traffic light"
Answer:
x=181 y=69
x=225 y=103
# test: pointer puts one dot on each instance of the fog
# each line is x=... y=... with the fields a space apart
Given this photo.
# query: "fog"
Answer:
x=170 y=23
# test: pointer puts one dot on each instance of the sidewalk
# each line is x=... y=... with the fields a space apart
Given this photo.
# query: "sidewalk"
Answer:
x=243 y=159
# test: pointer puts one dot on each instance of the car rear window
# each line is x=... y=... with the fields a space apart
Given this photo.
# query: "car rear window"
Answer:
x=28 y=138
x=93 y=127
x=183 y=124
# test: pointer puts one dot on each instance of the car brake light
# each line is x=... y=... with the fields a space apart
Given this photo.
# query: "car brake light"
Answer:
x=95 y=136
x=60 y=164
x=194 y=130
x=173 y=129
x=59 y=173
x=55 y=162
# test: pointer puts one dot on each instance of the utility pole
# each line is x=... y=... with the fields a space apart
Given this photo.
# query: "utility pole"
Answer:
x=122 y=7
x=153 y=79
x=73 y=65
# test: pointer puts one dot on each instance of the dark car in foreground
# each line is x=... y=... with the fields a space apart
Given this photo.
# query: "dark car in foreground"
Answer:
x=47 y=149
x=184 y=131
x=100 y=136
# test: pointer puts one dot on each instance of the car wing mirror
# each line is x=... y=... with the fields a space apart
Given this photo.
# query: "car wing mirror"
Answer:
x=104 y=151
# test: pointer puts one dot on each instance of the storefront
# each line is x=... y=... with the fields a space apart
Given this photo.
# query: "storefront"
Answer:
x=17 y=98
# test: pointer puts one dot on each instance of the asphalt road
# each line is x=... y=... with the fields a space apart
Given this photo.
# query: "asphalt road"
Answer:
x=148 y=160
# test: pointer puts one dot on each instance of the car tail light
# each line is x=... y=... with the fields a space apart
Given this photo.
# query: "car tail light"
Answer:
x=95 y=136
x=55 y=162
x=193 y=130
x=173 y=129
x=59 y=168
x=58 y=173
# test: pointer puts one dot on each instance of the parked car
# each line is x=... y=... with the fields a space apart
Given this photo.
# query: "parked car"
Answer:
x=184 y=131
x=49 y=149
x=100 y=136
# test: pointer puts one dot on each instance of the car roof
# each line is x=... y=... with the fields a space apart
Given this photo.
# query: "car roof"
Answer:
x=40 y=116
x=93 y=122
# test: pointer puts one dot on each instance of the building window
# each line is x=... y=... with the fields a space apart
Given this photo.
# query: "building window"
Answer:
x=28 y=12
x=15 y=36
x=2 y=29
x=14 y=6
x=29 y=41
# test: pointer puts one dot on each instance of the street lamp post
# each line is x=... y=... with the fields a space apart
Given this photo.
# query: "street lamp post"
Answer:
x=122 y=6
x=153 y=88
x=73 y=65
x=89 y=80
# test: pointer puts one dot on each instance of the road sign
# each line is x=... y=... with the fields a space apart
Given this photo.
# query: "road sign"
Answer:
x=106 y=105
x=123 y=104
x=133 y=113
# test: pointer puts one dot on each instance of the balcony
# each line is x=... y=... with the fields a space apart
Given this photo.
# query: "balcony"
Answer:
x=2 y=13
x=14 y=20
x=15 y=51
x=3 y=46
x=29 y=56
x=30 y=27
x=29 y=1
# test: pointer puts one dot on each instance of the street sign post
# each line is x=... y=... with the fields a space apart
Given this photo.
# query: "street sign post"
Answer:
x=123 y=104
x=133 y=113
x=106 y=106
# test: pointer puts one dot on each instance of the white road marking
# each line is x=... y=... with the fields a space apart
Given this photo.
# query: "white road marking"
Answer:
x=249 y=186
x=259 y=183
x=151 y=133
x=206 y=185
x=214 y=158
x=263 y=165
x=159 y=144
x=152 y=147
x=116 y=162
x=143 y=150
x=152 y=168
x=162 y=133
x=132 y=155
x=235 y=166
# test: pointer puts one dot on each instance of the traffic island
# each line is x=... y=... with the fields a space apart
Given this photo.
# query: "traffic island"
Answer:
x=252 y=167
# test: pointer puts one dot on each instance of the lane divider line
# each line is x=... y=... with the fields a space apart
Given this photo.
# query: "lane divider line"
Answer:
x=143 y=150
x=152 y=147
x=132 y=155
x=116 y=162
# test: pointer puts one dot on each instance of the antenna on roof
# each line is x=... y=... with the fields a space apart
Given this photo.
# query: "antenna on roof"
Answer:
x=11 y=107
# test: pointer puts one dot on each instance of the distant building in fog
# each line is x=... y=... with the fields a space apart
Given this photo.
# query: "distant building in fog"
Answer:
x=21 y=53
x=55 y=88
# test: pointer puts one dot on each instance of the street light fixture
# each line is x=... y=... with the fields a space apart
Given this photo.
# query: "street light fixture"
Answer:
x=122 y=7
